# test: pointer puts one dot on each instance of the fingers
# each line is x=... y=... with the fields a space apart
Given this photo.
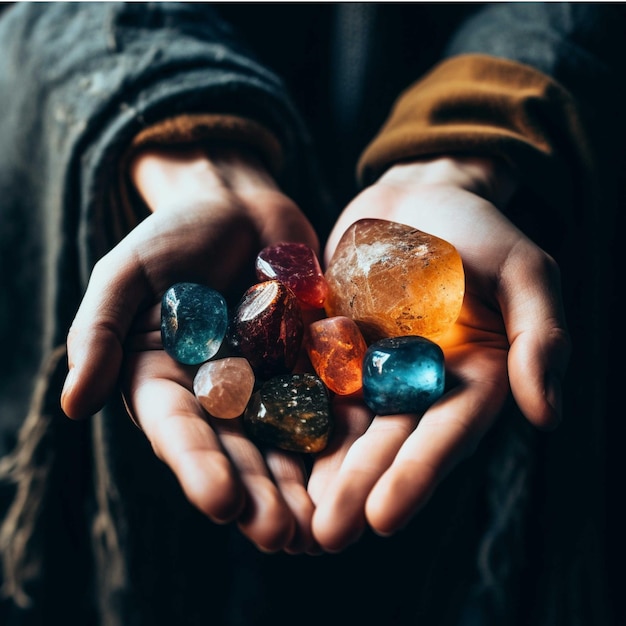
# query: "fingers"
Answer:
x=540 y=345
x=340 y=516
x=289 y=475
x=277 y=513
x=383 y=477
x=448 y=433
x=265 y=519
x=352 y=419
x=221 y=471
x=171 y=419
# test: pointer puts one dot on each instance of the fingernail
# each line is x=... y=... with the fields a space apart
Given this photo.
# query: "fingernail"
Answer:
x=68 y=384
x=553 y=394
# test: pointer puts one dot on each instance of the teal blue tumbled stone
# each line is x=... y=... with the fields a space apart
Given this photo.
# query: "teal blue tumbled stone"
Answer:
x=194 y=320
x=403 y=375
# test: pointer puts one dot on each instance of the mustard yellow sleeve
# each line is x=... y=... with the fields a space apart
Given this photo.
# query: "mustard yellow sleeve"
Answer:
x=482 y=105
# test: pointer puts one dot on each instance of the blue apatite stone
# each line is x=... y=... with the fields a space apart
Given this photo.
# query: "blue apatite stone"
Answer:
x=402 y=375
x=194 y=320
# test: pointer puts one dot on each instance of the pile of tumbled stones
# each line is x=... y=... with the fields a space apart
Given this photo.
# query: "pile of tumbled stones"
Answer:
x=266 y=362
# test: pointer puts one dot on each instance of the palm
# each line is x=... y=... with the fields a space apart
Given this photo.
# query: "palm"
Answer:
x=221 y=471
x=381 y=470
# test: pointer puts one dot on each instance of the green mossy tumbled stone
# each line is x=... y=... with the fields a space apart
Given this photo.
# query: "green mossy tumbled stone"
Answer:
x=291 y=412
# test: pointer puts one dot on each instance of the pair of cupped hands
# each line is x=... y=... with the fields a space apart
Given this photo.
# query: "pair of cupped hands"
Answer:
x=212 y=210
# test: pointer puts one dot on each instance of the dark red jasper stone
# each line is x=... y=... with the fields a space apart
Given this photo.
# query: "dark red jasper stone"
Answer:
x=267 y=329
x=297 y=266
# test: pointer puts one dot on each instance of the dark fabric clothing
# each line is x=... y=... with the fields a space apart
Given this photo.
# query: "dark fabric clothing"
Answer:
x=513 y=537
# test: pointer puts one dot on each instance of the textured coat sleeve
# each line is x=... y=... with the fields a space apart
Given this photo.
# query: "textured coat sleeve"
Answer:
x=82 y=79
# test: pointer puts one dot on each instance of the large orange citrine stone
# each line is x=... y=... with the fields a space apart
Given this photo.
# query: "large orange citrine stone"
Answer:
x=394 y=280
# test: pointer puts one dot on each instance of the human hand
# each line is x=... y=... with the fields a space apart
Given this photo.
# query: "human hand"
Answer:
x=510 y=336
x=211 y=213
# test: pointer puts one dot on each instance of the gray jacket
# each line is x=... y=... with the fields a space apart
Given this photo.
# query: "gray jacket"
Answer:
x=95 y=528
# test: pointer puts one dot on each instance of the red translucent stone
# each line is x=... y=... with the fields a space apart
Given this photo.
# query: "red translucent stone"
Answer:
x=336 y=349
x=267 y=328
x=297 y=266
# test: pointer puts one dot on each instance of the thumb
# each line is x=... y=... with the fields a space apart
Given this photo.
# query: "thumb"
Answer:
x=539 y=341
x=96 y=337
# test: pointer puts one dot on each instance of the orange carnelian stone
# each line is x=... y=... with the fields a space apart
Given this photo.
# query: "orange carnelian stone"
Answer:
x=336 y=349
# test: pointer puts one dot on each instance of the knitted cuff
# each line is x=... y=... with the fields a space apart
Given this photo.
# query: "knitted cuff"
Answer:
x=185 y=130
x=189 y=129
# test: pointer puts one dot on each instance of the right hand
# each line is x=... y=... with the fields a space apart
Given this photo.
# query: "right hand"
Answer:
x=510 y=337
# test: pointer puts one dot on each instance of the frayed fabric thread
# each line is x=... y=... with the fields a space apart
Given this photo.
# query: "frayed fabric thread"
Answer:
x=28 y=468
x=51 y=451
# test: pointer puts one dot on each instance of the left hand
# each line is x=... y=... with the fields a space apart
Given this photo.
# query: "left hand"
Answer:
x=510 y=336
x=213 y=208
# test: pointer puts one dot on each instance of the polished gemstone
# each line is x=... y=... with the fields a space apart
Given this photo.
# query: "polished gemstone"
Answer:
x=336 y=349
x=291 y=412
x=297 y=266
x=395 y=280
x=267 y=328
x=194 y=321
x=402 y=375
x=224 y=386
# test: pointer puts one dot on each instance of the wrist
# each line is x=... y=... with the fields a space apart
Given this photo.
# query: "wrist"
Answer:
x=488 y=177
x=182 y=175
